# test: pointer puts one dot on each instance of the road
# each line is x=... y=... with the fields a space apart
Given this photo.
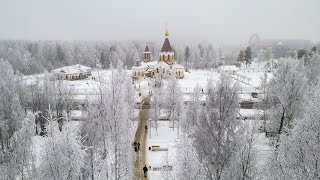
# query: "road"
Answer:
x=141 y=137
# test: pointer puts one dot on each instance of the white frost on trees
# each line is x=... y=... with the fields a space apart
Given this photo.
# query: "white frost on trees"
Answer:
x=286 y=91
x=108 y=129
x=63 y=153
x=298 y=156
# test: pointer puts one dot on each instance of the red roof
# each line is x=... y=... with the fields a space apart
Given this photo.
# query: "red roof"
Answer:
x=166 y=47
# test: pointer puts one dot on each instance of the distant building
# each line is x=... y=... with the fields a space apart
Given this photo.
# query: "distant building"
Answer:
x=165 y=66
x=74 y=72
x=228 y=69
x=281 y=47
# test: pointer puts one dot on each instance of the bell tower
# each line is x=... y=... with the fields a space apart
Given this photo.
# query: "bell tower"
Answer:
x=166 y=54
x=146 y=54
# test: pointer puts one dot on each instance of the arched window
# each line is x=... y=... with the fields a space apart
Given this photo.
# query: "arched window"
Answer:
x=179 y=74
x=134 y=73
x=163 y=57
x=138 y=73
x=169 y=57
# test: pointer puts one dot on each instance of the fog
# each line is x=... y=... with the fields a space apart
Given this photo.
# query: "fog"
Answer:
x=229 y=21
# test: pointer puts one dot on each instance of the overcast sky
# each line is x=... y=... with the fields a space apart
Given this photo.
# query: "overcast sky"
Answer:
x=218 y=20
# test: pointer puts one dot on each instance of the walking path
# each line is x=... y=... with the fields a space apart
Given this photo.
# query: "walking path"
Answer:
x=141 y=137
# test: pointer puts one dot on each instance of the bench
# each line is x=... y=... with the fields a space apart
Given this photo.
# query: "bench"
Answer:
x=271 y=134
x=162 y=168
x=157 y=148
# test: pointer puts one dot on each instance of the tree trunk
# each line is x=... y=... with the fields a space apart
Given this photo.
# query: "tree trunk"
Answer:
x=281 y=123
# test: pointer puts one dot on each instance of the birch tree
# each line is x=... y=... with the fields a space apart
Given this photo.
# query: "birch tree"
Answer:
x=63 y=153
x=217 y=130
x=156 y=104
x=11 y=113
x=21 y=159
x=298 y=156
x=173 y=100
x=286 y=91
x=108 y=130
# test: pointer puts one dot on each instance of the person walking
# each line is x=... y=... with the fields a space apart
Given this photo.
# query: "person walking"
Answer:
x=145 y=170
x=138 y=146
x=135 y=146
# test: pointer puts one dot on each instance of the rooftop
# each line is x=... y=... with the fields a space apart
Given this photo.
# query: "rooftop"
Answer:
x=166 y=47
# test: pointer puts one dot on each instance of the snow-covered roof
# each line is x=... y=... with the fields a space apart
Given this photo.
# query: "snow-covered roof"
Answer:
x=83 y=67
x=162 y=64
x=151 y=63
x=177 y=66
x=138 y=67
x=154 y=64
x=75 y=69
x=228 y=68
x=67 y=70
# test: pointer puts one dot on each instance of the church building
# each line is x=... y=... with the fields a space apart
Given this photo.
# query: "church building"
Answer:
x=166 y=65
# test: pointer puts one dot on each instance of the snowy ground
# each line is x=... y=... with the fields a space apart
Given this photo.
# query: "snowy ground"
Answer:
x=264 y=151
x=165 y=137
x=249 y=80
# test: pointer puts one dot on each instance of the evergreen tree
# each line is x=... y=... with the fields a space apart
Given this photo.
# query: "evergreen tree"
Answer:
x=187 y=57
x=240 y=57
x=302 y=53
x=248 y=56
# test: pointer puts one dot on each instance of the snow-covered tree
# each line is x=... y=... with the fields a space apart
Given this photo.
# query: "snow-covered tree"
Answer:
x=243 y=164
x=217 y=130
x=192 y=111
x=299 y=152
x=21 y=159
x=108 y=129
x=11 y=113
x=286 y=92
x=187 y=166
x=173 y=100
x=156 y=104
x=63 y=153
x=312 y=68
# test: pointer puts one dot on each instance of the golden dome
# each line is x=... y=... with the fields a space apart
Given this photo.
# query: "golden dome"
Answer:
x=166 y=33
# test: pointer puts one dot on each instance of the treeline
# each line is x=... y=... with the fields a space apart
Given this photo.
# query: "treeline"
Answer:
x=31 y=57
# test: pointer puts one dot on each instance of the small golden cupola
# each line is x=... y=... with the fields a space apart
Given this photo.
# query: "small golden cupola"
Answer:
x=146 y=54
x=166 y=33
x=166 y=54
